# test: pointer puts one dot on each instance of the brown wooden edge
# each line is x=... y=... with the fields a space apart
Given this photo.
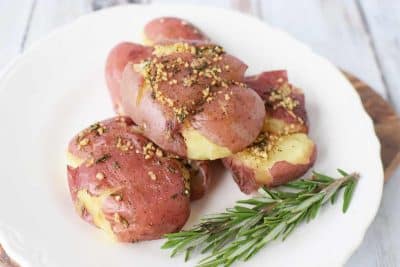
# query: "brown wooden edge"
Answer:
x=386 y=123
x=387 y=128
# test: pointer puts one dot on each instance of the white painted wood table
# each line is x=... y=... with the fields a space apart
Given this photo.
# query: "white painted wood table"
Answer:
x=360 y=36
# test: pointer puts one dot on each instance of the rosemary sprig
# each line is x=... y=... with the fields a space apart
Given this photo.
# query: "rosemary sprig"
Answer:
x=240 y=232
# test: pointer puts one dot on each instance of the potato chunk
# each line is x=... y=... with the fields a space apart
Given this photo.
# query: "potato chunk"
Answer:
x=284 y=103
x=167 y=30
x=124 y=184
x=185 y=92
x=272 y=160
x=117 y=59
x=283 y=151
x=199 y=147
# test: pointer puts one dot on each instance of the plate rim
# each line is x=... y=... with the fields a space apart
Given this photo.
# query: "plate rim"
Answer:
x=12 y=65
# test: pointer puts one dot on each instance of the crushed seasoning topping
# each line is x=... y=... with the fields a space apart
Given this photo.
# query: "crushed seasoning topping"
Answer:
x=97 y=128
x=171 y=169
x=117 y=218
x=159 y=153
x=123 y=144
x=181 y=113
x=186 y=192
x=124 y=222
x=163 y=50
x=281 y=97
x=149 y=150
x=84 y=142
x=89 y=161
x=289 y=128
x=102 y=159
x=264 y=145
x=201 y=68
x=100 y=176
x=116 y=165
x=152 y=175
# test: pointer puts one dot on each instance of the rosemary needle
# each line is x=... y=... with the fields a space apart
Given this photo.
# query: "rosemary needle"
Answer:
x=240 y=232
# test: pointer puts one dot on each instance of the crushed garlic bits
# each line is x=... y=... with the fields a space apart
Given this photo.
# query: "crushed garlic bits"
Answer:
x=152 y=175
x=100 y=176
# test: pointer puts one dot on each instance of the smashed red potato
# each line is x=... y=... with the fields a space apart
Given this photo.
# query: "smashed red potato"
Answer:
x=117 y=59
x=284 y=103
x=272 y=160
x=283 y=152
x=169 y=30
x=165 y=30
x=188 y=97
x=191 y=100
x=202 y=111
x=123 y=183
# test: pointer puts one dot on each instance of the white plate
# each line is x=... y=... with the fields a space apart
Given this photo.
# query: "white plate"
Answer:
x=57 y=87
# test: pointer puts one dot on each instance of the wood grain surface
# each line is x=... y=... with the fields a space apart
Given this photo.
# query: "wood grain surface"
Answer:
x=387 y=128
x=386 y=122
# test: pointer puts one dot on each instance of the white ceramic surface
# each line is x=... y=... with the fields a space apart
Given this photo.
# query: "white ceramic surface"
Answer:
x=57 y=87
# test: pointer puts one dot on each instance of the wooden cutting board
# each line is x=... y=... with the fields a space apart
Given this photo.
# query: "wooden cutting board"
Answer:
x=387 y=128
x=386 y=122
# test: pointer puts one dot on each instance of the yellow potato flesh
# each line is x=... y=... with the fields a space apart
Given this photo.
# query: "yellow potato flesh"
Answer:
x=146 y=41
x=200 y=148
x=165 y=50
x=277 y=126
x=73 y=160
x=93 y=205
x=294 y=149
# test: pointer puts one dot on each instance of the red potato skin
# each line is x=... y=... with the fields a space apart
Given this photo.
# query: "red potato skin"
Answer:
x=154 y=119
x=200 y=178
x=149 y=207
x=233 y=124
x=265 y=84
x=281 y=172
x=243 y=176
x=167 y=30
x=185 y=95
x=229 y=126
x=117 y=59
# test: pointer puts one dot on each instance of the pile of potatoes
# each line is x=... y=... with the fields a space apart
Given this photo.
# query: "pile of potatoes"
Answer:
x=181 y=102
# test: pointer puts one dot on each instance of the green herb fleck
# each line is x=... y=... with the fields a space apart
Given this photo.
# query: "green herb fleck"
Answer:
x=102 y=159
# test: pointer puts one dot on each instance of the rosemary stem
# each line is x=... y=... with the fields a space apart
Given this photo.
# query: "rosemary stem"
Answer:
x=240 y=232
